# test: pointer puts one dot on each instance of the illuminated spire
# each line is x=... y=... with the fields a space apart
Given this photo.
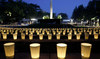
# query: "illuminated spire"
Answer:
x=51 y=10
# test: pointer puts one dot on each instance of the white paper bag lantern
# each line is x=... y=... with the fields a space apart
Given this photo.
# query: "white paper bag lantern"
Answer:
x=35 y=50
x=54 y=33
x=4 y=36
x=58 y=36
x=69 y=36
x=78 y=36
x=26 y=32
x=49 y=36
x=15 y=36
x=64 y=32
x=23 y=36
x=86 y=50
x=41 y=36
x=90 y=32
x=37 y=33
x=9 y=50
x=86 y=36
x=30 y=36
x=61 y=50
x=75 y=32
x=48 y=32
x=95 y=36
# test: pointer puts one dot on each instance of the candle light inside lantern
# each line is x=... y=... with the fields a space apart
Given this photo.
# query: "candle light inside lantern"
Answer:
x=4 y=36
x=15 y=36
x=58 y=36
x=86 y=50
x=30 y=36
x=69 y=36
x=95 y=36
x=9 y=50
x=35 y=50
x=86 y=36
x=54 y=32
x=23 y=36
x=49 y=36
x=78 y=36
x=41 y=36
x=61 y=50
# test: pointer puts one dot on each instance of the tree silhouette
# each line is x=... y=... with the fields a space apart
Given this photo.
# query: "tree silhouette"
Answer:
x=85 y=13
x=14 y=11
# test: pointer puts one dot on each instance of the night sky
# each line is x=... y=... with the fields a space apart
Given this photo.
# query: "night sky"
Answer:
x=59 y=6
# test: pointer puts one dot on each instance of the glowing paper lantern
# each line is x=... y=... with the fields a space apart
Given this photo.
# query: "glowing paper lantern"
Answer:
x=43 y=32
x=49 y=36
x=64 y=32
x=9 y=50
x=86 y=50
x=47 y=32
x=26 y=32
x=78 y=36
x=14 y=36
x=37 y=33
x=75 y=32
x=61 y=50
x=95 y=36
x=4 y=36
x=22 y=36
x=41 y=36
x=94 y=32
x=35 y=50
x=86 y=36
x=30 y=36
x=58 y=36
x=69 y=36
x=90 y=32
x=54 y=32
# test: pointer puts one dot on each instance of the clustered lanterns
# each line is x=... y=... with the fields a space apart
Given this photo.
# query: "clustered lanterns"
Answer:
x=50 y=33
x=9 y=49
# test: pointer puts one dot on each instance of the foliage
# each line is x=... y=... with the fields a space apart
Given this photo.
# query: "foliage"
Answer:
x=46 y=17
x=59 y=17
x=85 y=13
x=63 y=15
x=14 y=11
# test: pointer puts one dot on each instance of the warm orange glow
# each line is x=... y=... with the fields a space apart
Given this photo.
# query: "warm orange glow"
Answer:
x=15 y=36
x=86 y=50
x=35 y=50
x=9 y=50
x=49 y=36
x=4 y=36
x=61 y=50
x=78 y=36
x=69 y=36
x=95 y=36
x=31 y=36
x=41 y=36
x=58 y=36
